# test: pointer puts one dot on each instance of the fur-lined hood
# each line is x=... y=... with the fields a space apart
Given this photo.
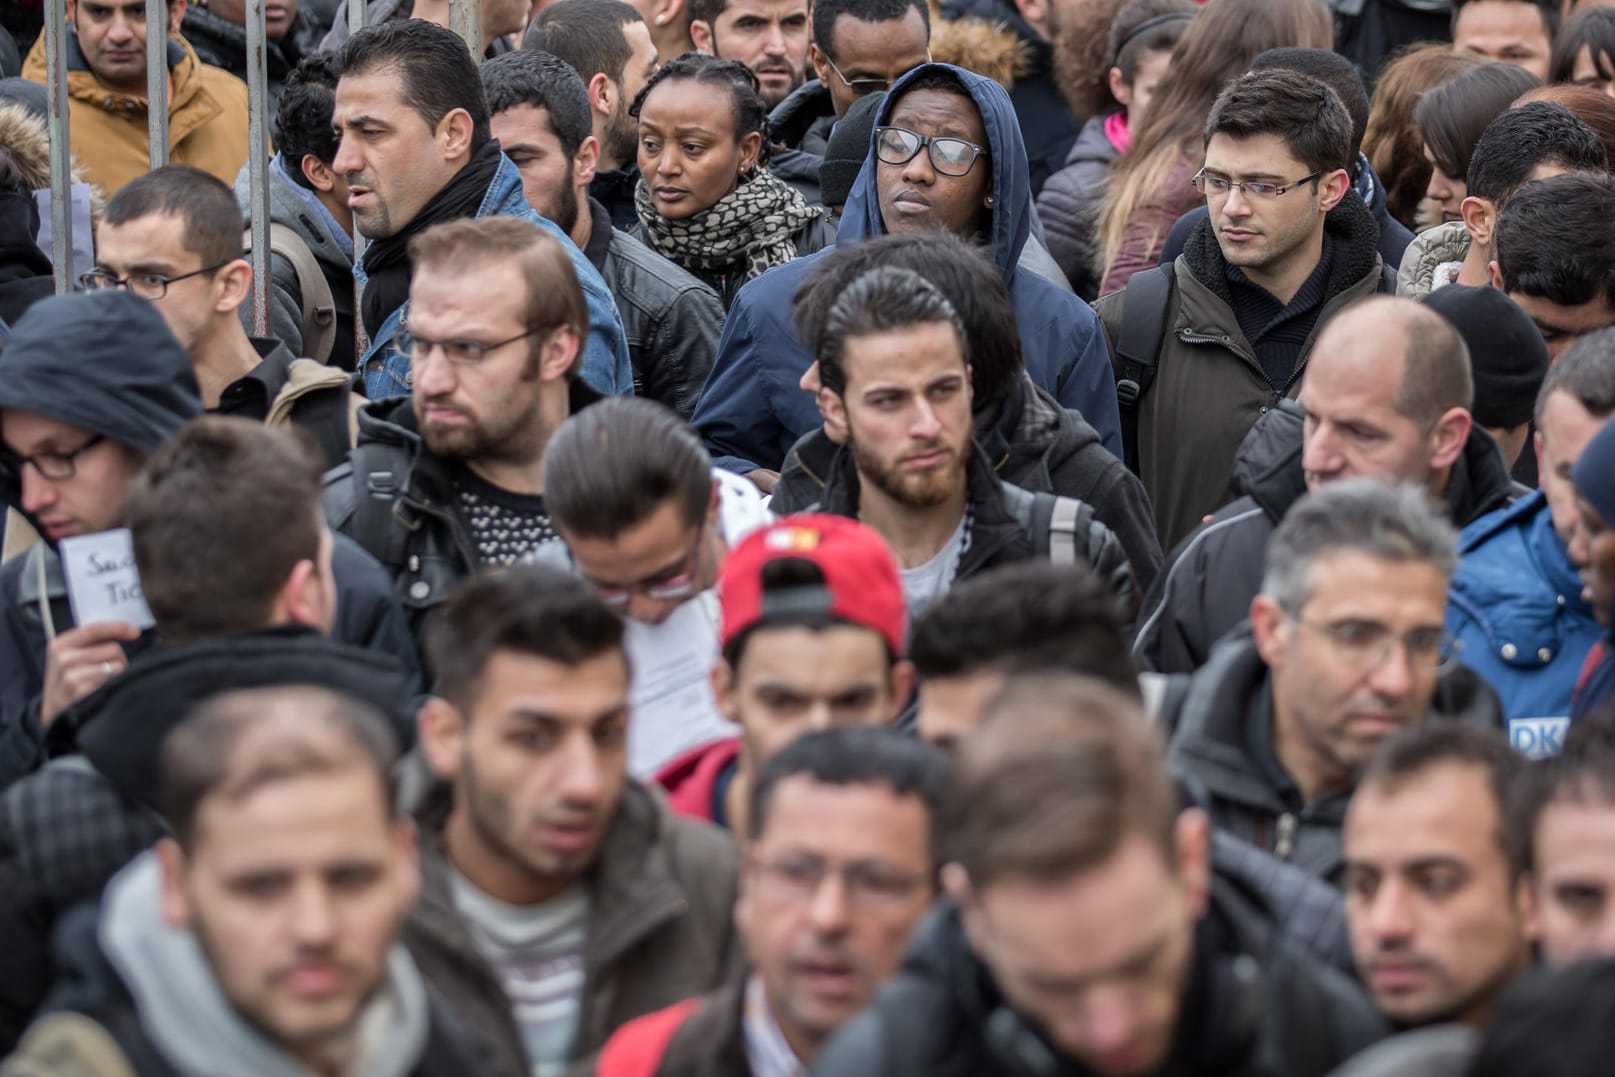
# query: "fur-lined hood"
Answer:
x=990 y=49
x=28 y=139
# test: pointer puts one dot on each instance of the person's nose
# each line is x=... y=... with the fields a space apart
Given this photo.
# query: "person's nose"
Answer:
x=38 y=492
x=926 y=425
x=918 y=169
x=348 y=160
x=1390 y=921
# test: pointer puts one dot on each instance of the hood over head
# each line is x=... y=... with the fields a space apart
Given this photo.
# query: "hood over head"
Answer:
x=1009 y=219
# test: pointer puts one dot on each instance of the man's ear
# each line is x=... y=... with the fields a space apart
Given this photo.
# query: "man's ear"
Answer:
x=1270 y=628
x=559 y=353
x=442 y=730
x=701 y=37
x=956 y=884
x=233 y=286
x=407 y=840
x=454 y=134
x=1333 y=189
x=1493 y=271
x=602 y=93
x=1479 y=217
x=176 y=908
x=834 y=410
x=302 y=597
x=820 y=62
x=585 y=161
x=1448 y=438
x=318 y=173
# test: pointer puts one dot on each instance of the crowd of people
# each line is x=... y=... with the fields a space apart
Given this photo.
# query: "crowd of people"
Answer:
x=768 y=537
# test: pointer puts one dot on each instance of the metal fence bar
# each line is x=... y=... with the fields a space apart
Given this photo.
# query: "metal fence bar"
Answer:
x=61 y=176
x=258 y=161
x=465 y=19
x=157 y=82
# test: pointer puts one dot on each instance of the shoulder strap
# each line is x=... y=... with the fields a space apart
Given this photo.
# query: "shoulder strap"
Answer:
x=1049 y=520
x=637 y=1049
x=319 y=305
x=1146 y=302
x=378 y=482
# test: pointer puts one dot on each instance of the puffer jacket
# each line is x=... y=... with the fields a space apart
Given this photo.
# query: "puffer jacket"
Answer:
x=207 y=117
x=1209 y=387
x=1034 y=444
x=671 y=318
x=223 y=44
x=1516 y=609
x=1432 y=259
x=294 y=206
x=1254 y=1006
x=753 y=411
x=661 y=929
x=1069 y=206
x=801 y=125
x=1211 y=749
x=1210 y=579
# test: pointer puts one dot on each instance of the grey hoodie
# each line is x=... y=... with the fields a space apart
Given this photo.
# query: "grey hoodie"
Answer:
x=194 y=1027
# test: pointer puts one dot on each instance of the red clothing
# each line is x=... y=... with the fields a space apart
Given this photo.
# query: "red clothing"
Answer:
x=691 y=779
x=637 y=1048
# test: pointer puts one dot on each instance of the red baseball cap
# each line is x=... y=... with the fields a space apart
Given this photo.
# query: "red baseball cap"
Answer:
x=861 y=585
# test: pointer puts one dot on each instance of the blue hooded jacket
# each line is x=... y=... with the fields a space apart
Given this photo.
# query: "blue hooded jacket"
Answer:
x=752 y=410
x=1515 y=607
x=605 y=352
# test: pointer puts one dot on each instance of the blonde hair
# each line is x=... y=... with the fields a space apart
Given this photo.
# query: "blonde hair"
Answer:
x=1218 y=47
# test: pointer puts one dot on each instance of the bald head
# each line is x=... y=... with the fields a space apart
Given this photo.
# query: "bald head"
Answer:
x=1387 y=393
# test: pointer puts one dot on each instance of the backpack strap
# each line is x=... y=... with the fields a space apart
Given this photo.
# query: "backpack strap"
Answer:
x=1049 y=520
x=637 y=1049
x=318 y=304
x=1146 y=302
x=378 y=482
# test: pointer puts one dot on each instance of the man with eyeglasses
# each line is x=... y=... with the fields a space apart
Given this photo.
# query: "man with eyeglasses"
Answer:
x=173 y=237
x=840 y=870
x=648 y=521
x=1346 y=645
x=451 y=480
x=812 y=636
x=857 y=49
x=1231 y=323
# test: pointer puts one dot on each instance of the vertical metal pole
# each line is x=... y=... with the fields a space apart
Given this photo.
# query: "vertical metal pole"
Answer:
x=357 y=12
x=258 y=162
x=157 y=82
x=61 y=177
x=465 y=19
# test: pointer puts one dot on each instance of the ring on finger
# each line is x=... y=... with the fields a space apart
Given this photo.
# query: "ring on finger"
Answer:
x=109 y=669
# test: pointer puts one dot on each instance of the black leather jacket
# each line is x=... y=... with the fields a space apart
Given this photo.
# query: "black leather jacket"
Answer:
x=672 y=320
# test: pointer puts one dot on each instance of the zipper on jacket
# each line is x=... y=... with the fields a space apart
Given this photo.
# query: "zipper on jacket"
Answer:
x=1284 y=843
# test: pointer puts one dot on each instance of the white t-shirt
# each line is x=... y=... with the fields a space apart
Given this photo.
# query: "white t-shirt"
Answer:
x=924 y=584
x=537 y=952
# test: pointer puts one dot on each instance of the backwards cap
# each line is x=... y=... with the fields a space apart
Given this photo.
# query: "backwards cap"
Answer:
x=861 y=585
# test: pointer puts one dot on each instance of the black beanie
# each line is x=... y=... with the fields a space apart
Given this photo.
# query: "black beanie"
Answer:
x=847 y=149
x=1506 y=353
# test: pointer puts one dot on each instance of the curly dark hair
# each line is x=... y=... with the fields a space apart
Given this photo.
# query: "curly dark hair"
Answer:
x=747 y=104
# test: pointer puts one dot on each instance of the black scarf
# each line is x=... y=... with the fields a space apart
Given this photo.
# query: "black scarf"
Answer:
x=386 y=261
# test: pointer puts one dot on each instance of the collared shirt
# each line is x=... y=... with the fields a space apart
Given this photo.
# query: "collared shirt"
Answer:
x=767 y=1052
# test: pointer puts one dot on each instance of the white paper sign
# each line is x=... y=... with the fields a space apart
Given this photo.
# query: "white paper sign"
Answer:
x=671 y=689
x=102 y=581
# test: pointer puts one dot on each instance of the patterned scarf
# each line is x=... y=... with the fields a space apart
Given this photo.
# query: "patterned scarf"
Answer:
x=757 y=221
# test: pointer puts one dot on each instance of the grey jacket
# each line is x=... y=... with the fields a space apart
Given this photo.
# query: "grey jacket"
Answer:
x=1209 y=387
x=660 y=928
x=1069 y=206
x=1431 y=249
x=672 y=319
x=293 y=206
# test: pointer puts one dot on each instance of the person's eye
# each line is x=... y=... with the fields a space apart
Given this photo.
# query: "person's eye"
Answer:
x=148 y=280
x=611 y=735
x=1358 y=633
x=465 y=351
x=1261 y=190
x=694 y=149
x=1426 y=641
x=353 y=879
x=1439 y=884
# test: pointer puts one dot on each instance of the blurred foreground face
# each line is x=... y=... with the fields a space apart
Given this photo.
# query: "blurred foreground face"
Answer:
x=295 y=892
x=1435 y=918
x=1573 y=884
x=831 y=890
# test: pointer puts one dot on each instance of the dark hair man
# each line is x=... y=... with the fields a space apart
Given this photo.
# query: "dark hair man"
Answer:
x=560 y=898
x=1026 y=618
x=857 y=49
x=416 y=151
x=615 y=52
x=1518 y=32
x=1258 y=281
x=1516 y=607
x=262 y=934
x=857 y=809
x=1387 y=366
x=236 y=604
x=1563 y=815
x=308 y=202
x=1555 y=255
x=649 y=521
x=752 y=412
x=173 y=236
x=1084 y=929
x=894 y=363
x=1031 y=440
x=217 y=30
x=1346 y=79
x=540 y=115
x=812 y=638
x=1346 y=645
x=1433 y=892
x=452 y=479
x=768 y=36
x=106 y=97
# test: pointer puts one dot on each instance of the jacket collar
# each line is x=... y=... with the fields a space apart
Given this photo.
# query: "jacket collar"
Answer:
x=600 y=231
x=1212 y=744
